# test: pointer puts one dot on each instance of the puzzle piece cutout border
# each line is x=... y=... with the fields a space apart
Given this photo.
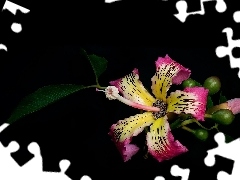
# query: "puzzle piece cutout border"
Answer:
x=228 y=150
x=182 y=6
x=15 y=27
x=35 y=164
x=112 y=1
x=177 y=171
x=33 y=169
x=221 y=7
x=64 y=164
x=222 y=51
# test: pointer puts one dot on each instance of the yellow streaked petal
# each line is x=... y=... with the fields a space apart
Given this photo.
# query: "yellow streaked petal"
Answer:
x=131 y=126
x=168 y=72
x=160 y=141
x=190 y=101
x=131 y=88
x=123 y=131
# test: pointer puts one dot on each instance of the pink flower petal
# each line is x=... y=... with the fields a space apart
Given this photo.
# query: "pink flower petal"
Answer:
x=132 y=89
x=160 y=141
x=126 y=149
x=234 y=105
x=168 y=72
x=192 y=100
x=124 y=130
x=182 y=74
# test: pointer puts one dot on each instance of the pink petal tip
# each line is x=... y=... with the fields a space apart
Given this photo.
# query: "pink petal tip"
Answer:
x=234 y=105
x=182 y=74
x=173 y=149
x=201 y=93
x=126 y=149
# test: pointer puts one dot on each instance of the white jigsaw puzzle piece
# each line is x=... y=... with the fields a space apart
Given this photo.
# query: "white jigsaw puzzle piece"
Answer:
x=33 y=169
x=7 y=164
x=236 y=16
x=177 y=171
x=12 y=7
x=2 y=46
x=159 y=178
x=228 y=150
x=182 y=9
x=111 y=1
x=35 y=164
x=63 y=164
x=5 y=153
x=85 y=177
x=5 y=156
x=16 y=27
x=222 y=51
x=3 y=126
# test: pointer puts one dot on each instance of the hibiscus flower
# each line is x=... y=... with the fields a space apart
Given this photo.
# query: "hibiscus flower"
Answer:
x=160 y=141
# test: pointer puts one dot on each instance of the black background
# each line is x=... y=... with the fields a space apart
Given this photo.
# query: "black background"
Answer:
x=129 y=35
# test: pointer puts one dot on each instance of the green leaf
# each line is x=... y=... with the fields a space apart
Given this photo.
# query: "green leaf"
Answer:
x=222 y=98
x=209 y=102
x=99 y=64
x=41 y=98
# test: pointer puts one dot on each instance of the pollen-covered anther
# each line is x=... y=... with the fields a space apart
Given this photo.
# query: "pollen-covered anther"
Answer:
x=111 y=92
x=163 y=109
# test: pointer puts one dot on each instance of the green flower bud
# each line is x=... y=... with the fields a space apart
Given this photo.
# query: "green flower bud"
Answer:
x=213 y=84
x=223 y=116
x=189 y=83
x=201 y=134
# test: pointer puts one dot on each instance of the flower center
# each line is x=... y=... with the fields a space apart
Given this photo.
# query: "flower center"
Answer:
x=163 y=109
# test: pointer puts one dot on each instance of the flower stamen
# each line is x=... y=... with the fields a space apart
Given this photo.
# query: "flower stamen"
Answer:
x=113 y=93
x=163 y=109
